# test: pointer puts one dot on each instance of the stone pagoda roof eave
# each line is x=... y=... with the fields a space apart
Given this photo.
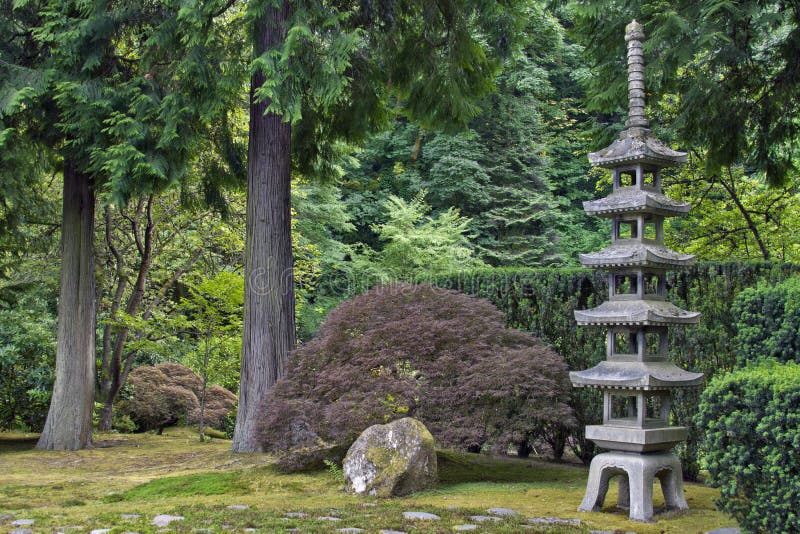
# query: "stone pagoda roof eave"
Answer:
x=637 y=145
x=631 y=253
x=635 y=200
x=636 y=375
x=636 y=313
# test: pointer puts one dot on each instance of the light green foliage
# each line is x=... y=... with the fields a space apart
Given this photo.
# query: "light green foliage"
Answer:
x=211 y=316
x=735 y=215
x=417 y=245
x=768 y=322
x=752 y=433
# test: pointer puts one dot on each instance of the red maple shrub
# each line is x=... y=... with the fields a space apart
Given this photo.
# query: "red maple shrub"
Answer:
x=414 y=350
x=168 y=393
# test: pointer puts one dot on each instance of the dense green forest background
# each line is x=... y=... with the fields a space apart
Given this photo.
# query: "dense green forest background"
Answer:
x=412 y=202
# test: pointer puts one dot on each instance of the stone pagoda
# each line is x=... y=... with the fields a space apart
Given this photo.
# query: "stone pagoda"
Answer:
x=636 y=377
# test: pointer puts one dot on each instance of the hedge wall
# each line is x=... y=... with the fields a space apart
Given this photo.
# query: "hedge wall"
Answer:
x=542 y=301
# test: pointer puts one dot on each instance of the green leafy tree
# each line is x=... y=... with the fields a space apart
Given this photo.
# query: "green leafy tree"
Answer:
x=212 y=315
x=325 y=74
x=115 y=94
x=417 y=245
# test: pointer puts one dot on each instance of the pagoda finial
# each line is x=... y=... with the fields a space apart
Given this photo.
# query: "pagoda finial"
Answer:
x=634 y=35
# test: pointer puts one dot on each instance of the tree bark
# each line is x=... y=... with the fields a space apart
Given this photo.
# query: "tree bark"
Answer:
x=269 y=326
x=69 y=420
x=112 y=367
x=751 y=225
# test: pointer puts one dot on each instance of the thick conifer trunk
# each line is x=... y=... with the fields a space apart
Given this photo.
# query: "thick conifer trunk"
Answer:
x=269 y=327
x=69 y=420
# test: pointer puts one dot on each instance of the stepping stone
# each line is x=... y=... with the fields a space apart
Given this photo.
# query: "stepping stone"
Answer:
x=23 y=523
x=502 y=511
x=350 y=530
x=328 y=518
x=726 y=530
x=462 y=528
x=424 y=516
x=392 y=532
x=368 y=505
x=130 y=516
x=100 y=531
x=296 y=514
x=164 y=520
x=22 y=531
x=238 y=507
x=553 y=521
x=251 y=530
x=6 y=517
x=484 y=518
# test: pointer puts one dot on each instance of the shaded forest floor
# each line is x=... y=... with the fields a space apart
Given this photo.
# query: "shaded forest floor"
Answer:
x=146 y=475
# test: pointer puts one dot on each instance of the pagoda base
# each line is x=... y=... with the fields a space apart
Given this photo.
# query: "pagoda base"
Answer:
x=638 y=473
x=632 y=439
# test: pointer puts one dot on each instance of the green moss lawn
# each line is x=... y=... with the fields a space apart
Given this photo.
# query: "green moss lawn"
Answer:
x=148 y=475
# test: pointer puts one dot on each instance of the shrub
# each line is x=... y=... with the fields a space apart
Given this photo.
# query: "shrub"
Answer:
x=437 y=355
x=751 y=423
x=168 y=393
x=768 y=323
x=542 y=302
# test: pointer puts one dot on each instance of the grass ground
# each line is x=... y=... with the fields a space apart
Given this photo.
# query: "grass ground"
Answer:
x=175 y=474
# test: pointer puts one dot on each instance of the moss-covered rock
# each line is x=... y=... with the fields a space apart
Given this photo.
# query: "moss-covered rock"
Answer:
x=393 y=459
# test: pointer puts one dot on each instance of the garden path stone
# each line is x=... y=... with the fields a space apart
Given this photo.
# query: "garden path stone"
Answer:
x=350 y=530
x=100 y=531
x=238 y=507
x=22 y=531
x=164 y=519
x=462 y=528
x=296 y=514
x=502 y=511
x=553 y=521
x=328 y=518
x=484 y=518
x=6 y=517
x=130 y=516
x=23 y=523
x=725 y=530
x=392 y=532
x=424 y=516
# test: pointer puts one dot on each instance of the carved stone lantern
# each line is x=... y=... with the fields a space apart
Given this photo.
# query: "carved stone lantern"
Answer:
x=637 y=377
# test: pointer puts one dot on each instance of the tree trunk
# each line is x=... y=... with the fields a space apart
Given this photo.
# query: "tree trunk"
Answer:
x=69 y=421
x=269 y=327
x=112 y=366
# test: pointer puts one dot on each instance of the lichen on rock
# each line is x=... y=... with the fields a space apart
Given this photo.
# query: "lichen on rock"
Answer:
x=390 y=460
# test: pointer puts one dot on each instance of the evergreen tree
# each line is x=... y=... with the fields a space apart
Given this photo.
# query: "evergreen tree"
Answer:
x=115 y=94
x=325 y=73
x=734 y=68
x=519 y=171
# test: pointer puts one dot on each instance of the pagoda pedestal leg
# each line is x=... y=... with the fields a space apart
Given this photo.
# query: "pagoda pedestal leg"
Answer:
x=637 y=474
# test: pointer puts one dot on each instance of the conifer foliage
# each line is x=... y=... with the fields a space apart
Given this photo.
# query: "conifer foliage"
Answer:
x=112 y=96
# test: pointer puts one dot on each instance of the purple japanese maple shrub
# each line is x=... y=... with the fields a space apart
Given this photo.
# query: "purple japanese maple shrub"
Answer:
x=414 y=350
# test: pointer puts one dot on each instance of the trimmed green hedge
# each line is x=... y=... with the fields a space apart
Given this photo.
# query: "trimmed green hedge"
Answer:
x=768 y=322
x=542 y=301
x=751 y=422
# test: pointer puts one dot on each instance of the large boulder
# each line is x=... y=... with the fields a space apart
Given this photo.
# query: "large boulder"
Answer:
x=390 y=460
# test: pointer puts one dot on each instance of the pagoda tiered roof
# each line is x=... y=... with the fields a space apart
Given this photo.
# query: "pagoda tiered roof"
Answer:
x=636 y=313
x=630 y=253
x=634 y=199
x=652 y=375
x=637 y=145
